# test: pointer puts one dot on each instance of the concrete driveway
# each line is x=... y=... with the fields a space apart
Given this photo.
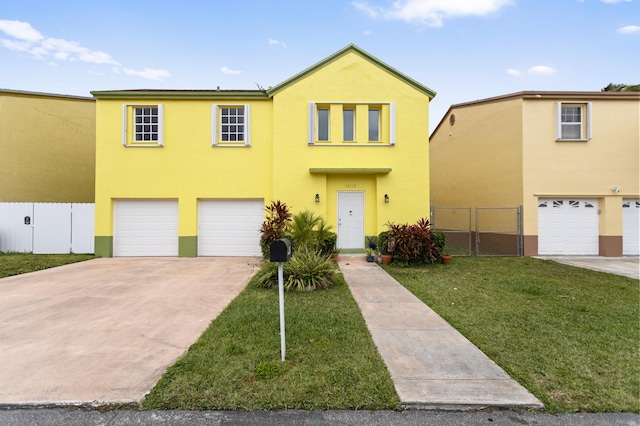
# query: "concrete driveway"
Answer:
x=106 y=330
x=628 y=266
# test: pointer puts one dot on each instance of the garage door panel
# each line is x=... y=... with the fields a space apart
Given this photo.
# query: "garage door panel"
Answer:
x=568 y=227
x=145 y=228
x=229 y=227
x=631 y=227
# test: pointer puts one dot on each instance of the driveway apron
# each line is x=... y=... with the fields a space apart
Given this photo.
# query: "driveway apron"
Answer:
x=432 y=365
x=105 y=330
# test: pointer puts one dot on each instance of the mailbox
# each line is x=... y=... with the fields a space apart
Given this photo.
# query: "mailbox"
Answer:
x=280 y=250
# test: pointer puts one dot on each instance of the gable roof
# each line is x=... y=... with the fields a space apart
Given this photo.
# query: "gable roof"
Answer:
x=352 y=48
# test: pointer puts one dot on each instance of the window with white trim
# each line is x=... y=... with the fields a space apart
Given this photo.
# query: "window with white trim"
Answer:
x=352 y=123
x=323 y=124
x=142 y=125
x=348 y=124
x=374 y=124
x=230 y=125
x=573 y=121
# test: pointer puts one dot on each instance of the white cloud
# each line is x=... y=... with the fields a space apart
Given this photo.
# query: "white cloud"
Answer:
x=542 y=69
x=615 y=1
x=29 y=40
x=228 y=70
x=514 y=73
x=367 y=32
x=149 y=73
x=274 y=42
x=629 y=29
x=20 y=30
x=432 y=12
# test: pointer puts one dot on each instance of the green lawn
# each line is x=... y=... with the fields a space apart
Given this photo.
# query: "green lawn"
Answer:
x=21 y=263
x=569 y=335
x=331 y=361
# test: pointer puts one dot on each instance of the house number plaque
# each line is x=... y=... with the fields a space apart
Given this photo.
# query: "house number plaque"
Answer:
x=350 y=185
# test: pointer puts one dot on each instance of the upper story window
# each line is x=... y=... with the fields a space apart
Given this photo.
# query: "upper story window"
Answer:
x=573 y=121
x=230 y=125
x=359 y=123
x=323 y=124
x=374 y=124
x=142 y=125
x=348 y=124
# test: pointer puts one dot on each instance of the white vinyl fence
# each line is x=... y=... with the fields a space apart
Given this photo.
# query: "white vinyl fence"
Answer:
x=46 y=228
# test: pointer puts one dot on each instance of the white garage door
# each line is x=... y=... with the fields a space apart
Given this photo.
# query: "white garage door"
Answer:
x=145 y=228
x=229 y=227
x=568 y=227
x=631 y=227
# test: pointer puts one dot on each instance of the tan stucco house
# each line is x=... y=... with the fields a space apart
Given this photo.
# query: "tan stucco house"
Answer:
x=47 y=147
x=570 y=159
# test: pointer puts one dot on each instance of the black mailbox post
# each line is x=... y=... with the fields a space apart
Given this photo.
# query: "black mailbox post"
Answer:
x=280 y=250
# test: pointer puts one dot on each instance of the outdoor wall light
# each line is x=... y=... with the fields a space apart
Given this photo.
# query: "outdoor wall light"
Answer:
x=317 y=198
x=615 y=188
x=386 y=198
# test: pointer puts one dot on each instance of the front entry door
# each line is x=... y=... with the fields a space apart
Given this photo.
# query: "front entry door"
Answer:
x=350 y=220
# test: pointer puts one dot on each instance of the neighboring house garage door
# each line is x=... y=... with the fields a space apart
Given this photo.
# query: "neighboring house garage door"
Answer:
x=568 y=227
x=229 y=227
x=631 y=227
x=145 y=228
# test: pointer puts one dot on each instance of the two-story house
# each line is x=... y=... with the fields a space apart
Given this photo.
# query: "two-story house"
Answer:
x=189 y=172
x=570 y=159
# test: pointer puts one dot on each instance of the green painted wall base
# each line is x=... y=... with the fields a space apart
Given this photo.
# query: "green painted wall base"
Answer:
x=103 y=246
x=188 y=246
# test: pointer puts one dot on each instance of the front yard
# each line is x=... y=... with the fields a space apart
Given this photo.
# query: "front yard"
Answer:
x=21 y=263
x=569 y=335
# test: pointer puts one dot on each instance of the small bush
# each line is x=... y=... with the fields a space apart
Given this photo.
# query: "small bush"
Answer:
x=306 y=270
x=275 y=225
x=412 y=244
x=439 y=238
x=382 y=242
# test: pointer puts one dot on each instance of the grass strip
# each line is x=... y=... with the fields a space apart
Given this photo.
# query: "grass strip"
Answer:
x=331 y=361
x=21 y=263
x=569 y=335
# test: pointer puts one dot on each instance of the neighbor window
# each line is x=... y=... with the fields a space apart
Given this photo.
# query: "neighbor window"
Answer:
x=142 y=125
x=573 y=121
x=230 y=125
x=374 y=124
x=348 y=124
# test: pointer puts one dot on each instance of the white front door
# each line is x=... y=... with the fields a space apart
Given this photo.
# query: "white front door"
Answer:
x=350 y=220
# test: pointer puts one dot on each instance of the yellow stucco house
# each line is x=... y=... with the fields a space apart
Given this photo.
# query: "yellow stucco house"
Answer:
x=189 y=172
x=570 y=159
x=47 y=147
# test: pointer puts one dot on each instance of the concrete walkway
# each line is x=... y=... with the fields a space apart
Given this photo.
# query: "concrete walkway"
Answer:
x=432 y=365
x=627 y=266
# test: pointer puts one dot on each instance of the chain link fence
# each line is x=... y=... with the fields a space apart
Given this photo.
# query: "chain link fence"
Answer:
x=498 y=230
x=455 y=222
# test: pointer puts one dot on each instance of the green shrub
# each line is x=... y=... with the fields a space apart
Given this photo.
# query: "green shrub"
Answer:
x=275 y=225
x=382 y=242
x=439 y=238
x=306 y=270
x=412 y=244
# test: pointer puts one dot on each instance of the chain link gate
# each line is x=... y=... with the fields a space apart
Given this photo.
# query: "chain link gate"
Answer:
x=499 y=231
x=455 y=222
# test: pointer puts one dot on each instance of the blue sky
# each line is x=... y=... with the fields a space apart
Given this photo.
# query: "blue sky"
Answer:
x=462 y=49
